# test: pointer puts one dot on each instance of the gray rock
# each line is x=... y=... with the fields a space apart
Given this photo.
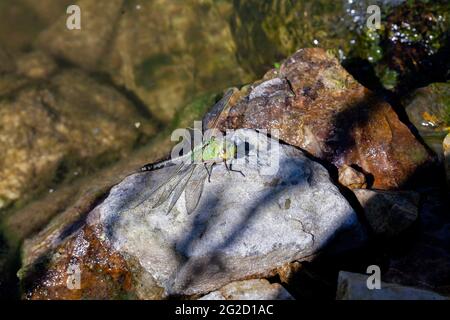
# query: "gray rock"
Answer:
x=353 y=286
x=389 y=212
x=255 y=289
x=243 y=227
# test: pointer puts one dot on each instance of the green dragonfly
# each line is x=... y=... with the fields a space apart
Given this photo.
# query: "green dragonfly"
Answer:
x=194 y=167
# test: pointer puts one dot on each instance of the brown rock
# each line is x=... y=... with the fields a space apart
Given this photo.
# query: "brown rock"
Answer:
x=19 y=26
x=164 y=57
x=35 y=65
x=389 y=212
x=102 y=273
x=316 y=105
x=446 y=147
x=351 y=178
x=7 y=64
x=48 y=10
x=288 y=271
x=77 y=124
x=86 y=46
x=428 y=109
x=9 y=80
x=167 y=58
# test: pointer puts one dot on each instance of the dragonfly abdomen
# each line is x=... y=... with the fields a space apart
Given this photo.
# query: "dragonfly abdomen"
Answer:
x=158 y=165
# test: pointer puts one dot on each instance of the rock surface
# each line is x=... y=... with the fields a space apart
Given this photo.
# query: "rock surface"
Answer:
x=48 y=11
x=87 y=46
x=36 y=65
x=166 y=54
x=292 y=215
x=256 y=289
x=9 y=80
x=77 y=124
x=353 y=286
x=7 y=64
x=423 y=260
x=389 y=213
x=19 y=26
x=159 y=50
x=316 y=105
x=428 y=109
x=446 y=147
x=351 y=178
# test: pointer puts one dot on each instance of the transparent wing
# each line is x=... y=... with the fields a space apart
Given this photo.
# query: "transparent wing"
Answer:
x=180 y=187
x=170 y=185
x=220 y=108
x=173 y=177
x=195 y=188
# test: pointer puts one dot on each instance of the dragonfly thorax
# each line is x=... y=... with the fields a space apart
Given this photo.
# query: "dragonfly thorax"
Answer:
x=214 y=150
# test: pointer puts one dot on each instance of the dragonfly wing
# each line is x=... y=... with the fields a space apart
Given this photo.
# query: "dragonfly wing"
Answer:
x=161 y=186
x=169 y=186
x=180 y=187
x=173 y=177
x=217 y=111
x=195 y=188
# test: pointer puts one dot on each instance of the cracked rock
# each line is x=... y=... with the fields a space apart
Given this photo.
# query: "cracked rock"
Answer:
x=243 y=227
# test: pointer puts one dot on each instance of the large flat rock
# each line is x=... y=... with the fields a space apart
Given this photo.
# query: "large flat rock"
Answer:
x=243 y=227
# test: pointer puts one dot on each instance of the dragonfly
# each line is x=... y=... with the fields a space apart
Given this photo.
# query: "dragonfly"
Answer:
x=193 y=168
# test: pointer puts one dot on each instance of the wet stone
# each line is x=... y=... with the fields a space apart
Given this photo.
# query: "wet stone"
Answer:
x=389 y=213
x=428 y=108
x=316 y=105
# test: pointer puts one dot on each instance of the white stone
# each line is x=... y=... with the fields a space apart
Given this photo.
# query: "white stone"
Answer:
x=255 y=289
x=353 y=286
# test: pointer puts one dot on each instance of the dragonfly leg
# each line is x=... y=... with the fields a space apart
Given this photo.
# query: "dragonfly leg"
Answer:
x=231 y=169
x=209 y=173
x=210 y=170
x=226 y=165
